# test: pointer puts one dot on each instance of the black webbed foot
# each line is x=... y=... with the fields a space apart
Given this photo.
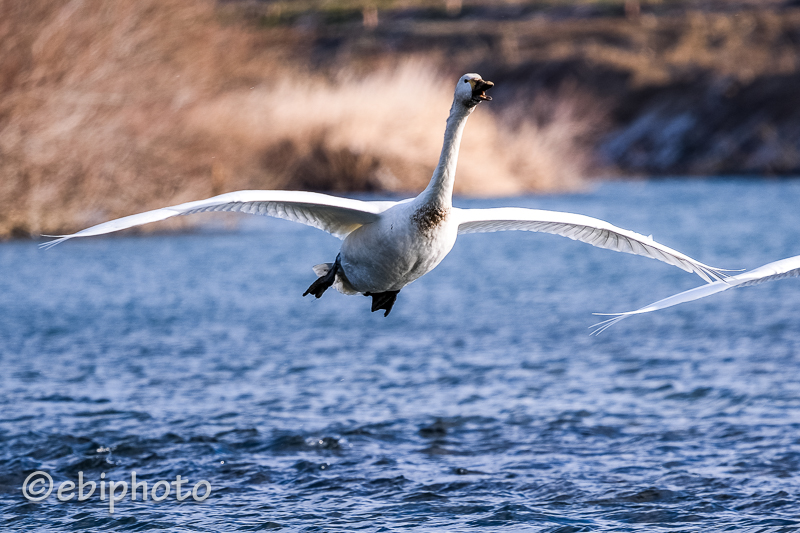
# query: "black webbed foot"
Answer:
x=383 y=300
x=323 y=283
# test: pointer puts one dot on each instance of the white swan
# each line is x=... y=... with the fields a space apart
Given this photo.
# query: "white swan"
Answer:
x=387 y=245
x=785 y=268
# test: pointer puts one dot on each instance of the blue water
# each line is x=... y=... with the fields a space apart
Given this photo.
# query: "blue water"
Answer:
x=480 y=404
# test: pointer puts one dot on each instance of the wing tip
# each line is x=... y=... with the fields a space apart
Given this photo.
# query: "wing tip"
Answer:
x=58 y=239
x=711 y=274
x=600 y=327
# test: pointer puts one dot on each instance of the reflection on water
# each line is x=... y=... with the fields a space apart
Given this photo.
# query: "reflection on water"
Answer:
x=480 y=402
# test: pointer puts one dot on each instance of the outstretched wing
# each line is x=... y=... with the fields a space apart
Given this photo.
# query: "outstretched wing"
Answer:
x=686 y=296
x=337 y=216
x=580 y=228
x=785 y=268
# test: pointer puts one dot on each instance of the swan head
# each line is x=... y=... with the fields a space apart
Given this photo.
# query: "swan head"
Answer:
x=471 y=90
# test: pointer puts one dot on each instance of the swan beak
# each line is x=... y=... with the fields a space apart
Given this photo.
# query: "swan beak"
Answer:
x=478 y=90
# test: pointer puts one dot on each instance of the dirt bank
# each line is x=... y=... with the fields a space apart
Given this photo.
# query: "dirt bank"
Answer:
x=698 y=88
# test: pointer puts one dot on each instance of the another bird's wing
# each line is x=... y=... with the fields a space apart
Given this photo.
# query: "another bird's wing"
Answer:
x=338 y=216
x=686 y=296
x=581 y=228
x=785 y=268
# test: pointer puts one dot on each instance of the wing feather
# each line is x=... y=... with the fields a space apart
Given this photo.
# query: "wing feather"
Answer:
x=337 y=216
x=785 y=268
x=581 y=228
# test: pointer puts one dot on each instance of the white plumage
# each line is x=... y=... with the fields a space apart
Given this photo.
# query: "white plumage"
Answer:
x=387 y=245
x=785 y=268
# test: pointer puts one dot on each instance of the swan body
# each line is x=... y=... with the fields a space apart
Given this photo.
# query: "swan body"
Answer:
x=387 y=245
x=399 y=248
x=785 y=268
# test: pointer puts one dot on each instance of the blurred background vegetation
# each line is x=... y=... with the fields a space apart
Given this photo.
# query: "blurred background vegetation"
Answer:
x=109 y=108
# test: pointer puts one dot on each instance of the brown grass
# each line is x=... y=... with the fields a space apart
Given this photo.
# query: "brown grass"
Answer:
x=109 y=108
x=91 y=115
x=382 y=131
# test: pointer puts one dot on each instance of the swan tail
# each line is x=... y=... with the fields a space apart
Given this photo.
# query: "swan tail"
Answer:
x=322 y=269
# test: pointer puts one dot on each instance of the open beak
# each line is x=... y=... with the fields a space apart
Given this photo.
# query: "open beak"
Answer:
x=479 y=88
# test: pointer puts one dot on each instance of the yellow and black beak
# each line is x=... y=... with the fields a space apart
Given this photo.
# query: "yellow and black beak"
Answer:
x=479 y=88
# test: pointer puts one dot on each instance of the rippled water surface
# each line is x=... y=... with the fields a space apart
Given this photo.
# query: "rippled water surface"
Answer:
x=480 y=403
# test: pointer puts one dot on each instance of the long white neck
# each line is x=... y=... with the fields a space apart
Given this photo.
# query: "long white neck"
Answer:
x=440 y=190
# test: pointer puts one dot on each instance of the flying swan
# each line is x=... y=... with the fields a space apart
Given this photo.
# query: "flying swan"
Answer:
x=785 y=268
x=387 y=245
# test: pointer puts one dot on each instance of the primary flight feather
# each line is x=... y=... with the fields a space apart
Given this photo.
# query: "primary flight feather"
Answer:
x=387 y=245
x=785 y=268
